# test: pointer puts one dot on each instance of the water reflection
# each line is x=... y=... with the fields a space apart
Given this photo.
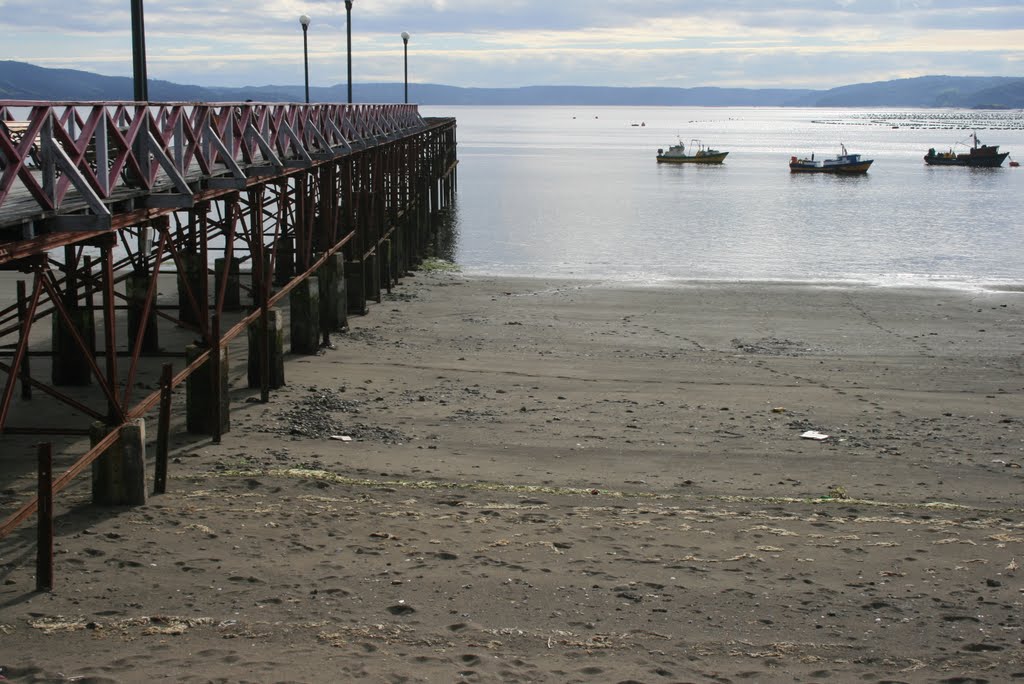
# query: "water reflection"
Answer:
x=446 y=238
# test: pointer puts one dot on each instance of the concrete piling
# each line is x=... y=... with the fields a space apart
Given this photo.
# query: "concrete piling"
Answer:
x=194 y=274
x=119 y=475
x=304 y=306
x=233 y=286
x=371 y=268
x=201 y=396
x=275 y=346
x=70 y=366
x=355 y=287
x=333 y=294
x=284 y=261
x=136 y=291
x=388 y=271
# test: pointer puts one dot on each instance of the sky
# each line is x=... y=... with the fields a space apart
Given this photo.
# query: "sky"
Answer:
x=815 y=44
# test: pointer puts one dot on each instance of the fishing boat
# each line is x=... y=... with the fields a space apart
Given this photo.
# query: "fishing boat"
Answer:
x=987 y=156
x=845 y=163
x=698 y=154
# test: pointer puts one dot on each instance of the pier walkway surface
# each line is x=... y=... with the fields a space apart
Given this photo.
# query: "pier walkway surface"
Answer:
x=138 y=241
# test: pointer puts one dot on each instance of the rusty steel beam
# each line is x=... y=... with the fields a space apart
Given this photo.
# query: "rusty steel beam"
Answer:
x=19 y=355
x=108 y=389
x=59 y=396
x=143 y=320
x=59 y=484
x=115 y=410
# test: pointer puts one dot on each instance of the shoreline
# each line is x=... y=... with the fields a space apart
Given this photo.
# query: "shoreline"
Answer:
x=915 y=284
x=549 y=481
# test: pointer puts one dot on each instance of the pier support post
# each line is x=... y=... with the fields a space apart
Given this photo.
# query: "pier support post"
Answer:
x=233 y=288
x=333 y=295
x=194 y=274
x=275 y=345
x=355 y=287
x=420 y=224
x=388 y=272
x=371 y=266
x=119 y=475
x=284 y=263
x=137 y=289
x=69 y=360
x=398 y=242
x=304 y=306
x=423 y=220
x=201 y=409
x=401 y=243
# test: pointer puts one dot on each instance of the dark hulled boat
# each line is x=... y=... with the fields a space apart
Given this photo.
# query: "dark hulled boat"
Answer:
x=844 y=163
x=979 y=155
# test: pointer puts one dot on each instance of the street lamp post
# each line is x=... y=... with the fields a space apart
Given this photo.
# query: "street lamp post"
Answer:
x=304 y=20
x=140 y=82
x=405 y=51
x=348 y=26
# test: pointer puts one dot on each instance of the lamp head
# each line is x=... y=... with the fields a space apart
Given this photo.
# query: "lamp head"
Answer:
x=405 y=36
x=304 y=20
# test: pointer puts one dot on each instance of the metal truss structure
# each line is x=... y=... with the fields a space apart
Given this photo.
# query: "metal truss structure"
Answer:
x=99 y=201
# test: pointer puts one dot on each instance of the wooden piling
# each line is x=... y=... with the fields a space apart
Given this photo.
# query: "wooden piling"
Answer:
x=163 y=429
x=44 y=512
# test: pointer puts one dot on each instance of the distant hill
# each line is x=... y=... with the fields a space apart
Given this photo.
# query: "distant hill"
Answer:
x=925 y=91
x=599 y=96
x=22 y=81
x=1005 y=95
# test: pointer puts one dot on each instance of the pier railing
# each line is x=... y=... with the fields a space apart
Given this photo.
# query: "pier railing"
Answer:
x=72 y=159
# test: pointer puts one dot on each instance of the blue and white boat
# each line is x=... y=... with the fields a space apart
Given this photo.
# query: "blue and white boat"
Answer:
x=844 y=163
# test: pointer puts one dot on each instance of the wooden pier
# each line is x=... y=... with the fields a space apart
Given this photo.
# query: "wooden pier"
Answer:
x=139 y=240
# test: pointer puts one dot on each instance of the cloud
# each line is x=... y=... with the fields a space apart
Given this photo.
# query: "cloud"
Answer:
x=811 y=43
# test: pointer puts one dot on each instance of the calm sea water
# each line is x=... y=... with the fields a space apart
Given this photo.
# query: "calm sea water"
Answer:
x=576 y=192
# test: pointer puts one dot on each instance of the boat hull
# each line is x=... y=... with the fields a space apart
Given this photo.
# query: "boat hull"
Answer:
x=843 y=169
x=717 y=158
x=986 y=162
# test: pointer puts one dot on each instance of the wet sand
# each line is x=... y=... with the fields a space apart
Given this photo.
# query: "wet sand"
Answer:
x=544 y=481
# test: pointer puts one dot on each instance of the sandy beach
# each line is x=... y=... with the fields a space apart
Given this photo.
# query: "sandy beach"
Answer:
x=515 y=480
